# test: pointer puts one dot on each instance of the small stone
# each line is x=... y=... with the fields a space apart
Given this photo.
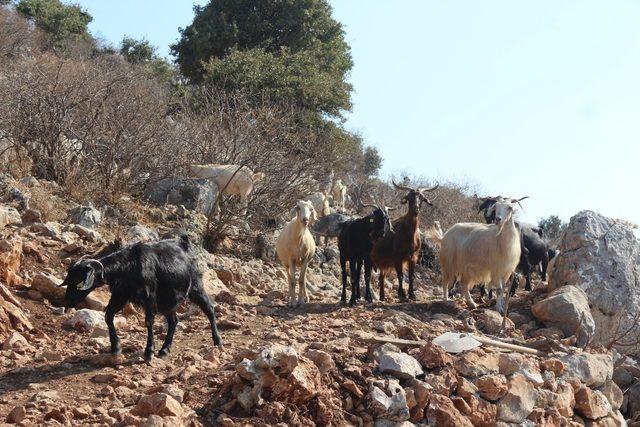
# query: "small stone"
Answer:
x=400 y=365
x=591 y=404
x=519 y=401
x=554 y=365
x=442 y=412
x=158 y=404
x=476 y=362
x=17 y=415
x=492 y=387
x=433 y=356
x=322 y=359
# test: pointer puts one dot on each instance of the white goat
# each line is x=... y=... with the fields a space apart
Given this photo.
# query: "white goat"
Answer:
x=240 y=184
x=295 y=247
x=481 y=253
x=339 y=193
x=320 y=203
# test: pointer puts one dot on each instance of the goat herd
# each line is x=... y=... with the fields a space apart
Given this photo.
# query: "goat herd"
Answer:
x=159 y=276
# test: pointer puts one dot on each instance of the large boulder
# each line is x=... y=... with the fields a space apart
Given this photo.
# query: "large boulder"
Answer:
x=195 y=194
x=86 y=216
x=140 y=233
x=601 y=256
x=567 y=308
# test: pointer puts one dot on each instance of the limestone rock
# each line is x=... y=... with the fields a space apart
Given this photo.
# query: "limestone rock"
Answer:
x=442 y=412
x=601 y=256
x=592 y=369
x=86 y=216
x=591 y=404
x=519 y=401
x=567 y=308
x=400 y=365
x=158 y=404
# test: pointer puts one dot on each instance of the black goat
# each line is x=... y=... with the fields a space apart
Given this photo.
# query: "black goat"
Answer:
x=355 y=242
x=157 y=276
x=534 y=248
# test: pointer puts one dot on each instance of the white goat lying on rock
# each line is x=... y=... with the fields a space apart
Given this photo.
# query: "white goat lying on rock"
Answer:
x=229 y=179
x=296 y=247
x=481 y=253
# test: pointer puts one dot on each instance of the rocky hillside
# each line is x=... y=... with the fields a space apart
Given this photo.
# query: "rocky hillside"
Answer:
x=323 y=364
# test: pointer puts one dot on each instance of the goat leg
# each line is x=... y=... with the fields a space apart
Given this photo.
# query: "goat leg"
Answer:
x=343 y=268
x=291 y=275
x=302 y=291
x=367 y=280
x=381 y=284
x=172 y=322
x=148 y=320
x=358 y=274
x=514 y=284
x=399 y=273
x=201 y=299
x=113 y=307
x=412 y=270
x=355 y=282
x=527 y=273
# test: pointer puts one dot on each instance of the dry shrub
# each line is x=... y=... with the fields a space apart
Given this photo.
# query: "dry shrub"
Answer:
x=95 y=126
x=226 y=129
x=17 y=37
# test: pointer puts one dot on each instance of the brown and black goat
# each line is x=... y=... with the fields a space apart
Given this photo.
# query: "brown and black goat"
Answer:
x=402 y=245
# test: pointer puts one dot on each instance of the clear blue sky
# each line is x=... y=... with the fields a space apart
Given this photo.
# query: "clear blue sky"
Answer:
x=520 y=98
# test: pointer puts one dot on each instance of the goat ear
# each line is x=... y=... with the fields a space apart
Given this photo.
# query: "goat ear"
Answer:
x=88 y=281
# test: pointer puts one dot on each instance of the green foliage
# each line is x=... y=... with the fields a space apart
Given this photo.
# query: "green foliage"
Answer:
x=143 y=53
x=273 y=49
x=61 y=22
x=286 y=78
x=371 y=162
x=137 y=51
x=553 y=226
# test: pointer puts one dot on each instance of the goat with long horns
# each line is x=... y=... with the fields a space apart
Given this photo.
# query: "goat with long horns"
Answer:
x=402 y=245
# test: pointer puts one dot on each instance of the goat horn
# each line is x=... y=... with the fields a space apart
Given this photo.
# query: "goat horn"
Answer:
x=422 y=190
x=367 y=205
x=518 y=201
x=400 y=187
x=94 y=262
x=391 y=209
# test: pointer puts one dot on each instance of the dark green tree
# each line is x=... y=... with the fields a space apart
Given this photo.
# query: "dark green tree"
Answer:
x=60 y=21
x=553 y=226
x=144 y=53
x=137 y=51
x=276 y=50
x=371 y=161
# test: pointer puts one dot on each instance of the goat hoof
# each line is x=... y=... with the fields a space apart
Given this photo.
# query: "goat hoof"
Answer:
x=116 y=351
x=164 y=352
x=412 y=296
x=148 y=355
